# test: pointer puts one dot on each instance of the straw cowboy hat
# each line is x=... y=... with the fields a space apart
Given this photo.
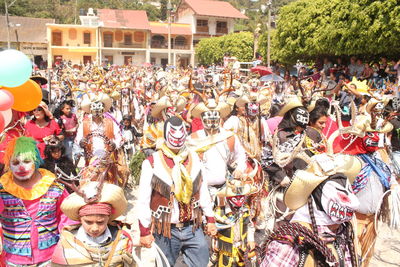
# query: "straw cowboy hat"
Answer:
x=305 y=181
x=165 y=102
x=291 y=103
x=223 y=108
x=111 y=194
x=251 y=97
x=99 y=97
x=373 y=101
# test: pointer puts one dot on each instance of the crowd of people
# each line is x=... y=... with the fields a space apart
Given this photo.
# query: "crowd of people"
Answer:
x=230 y=170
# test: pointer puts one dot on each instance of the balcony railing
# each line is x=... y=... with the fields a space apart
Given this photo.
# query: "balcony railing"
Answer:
x=202 y=29
x=123 y=45
x=222 y=30
x=173 y=46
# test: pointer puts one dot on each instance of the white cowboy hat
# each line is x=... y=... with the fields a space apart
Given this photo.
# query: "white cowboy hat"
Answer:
x=98 y=97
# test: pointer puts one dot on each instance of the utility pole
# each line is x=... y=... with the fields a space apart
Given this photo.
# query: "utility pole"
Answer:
x=169 y=7
x=269 y=34
x=8 y=22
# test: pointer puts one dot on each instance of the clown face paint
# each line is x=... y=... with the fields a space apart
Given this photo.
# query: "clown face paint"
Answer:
x=252 y=109
x=236 y=201
x=21 y=168
x=338 y=201
x=211 y=119
x=301 y=117
x=174 y=133
x=97 y=109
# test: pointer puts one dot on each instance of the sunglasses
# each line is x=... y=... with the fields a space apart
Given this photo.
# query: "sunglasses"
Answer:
x=38 y=109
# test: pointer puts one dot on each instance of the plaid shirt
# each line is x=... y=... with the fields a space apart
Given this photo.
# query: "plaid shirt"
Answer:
x=279 y=254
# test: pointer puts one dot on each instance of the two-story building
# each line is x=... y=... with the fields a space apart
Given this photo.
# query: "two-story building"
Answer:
x=124 y=36
x=208 y=18
x=27 y=35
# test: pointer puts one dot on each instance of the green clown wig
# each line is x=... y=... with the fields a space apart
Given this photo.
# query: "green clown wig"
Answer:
x=24 y=147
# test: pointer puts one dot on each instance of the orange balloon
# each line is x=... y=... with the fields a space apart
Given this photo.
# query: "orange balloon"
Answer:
x=27 y=96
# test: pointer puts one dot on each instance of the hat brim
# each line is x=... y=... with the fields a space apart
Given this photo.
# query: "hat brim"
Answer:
x=305 y=181
x=293 y=103
x=112 y=194
x=104 y=98
x=40 y=79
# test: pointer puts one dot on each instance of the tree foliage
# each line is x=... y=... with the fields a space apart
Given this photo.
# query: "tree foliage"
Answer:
x=313 y=28
x=212 y=50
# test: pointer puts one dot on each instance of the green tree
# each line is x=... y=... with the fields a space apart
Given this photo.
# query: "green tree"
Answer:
x=212 y=50
x=314 y=28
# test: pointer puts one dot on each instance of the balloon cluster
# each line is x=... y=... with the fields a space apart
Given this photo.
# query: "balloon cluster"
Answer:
x=17 y=91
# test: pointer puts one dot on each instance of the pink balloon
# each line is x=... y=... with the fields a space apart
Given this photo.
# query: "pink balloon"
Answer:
x=1 y=123
x=7 y=116
x=6 y=100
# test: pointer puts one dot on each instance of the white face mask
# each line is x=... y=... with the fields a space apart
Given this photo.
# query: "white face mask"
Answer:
x=175 y=136
x=97 y=108
x=22 y=169
x=339 y=202
x=211 y=119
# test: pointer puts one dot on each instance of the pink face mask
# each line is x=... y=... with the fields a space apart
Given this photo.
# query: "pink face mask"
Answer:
x=338 y=201
x=236 y=201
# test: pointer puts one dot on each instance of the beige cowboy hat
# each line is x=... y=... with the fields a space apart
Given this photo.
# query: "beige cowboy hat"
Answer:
x=251 y=97
x=223 y=108
x=111 y=194
x=165 y=102
x=305 y=181
x=99 y=97
x=373 y=101
x=291 y=103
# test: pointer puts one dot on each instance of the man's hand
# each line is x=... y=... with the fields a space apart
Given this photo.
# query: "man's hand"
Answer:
x=211 y=229
x=146 y=241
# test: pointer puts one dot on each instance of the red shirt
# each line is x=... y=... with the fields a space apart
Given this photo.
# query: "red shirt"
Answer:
x=69 y=122
x=38 y=133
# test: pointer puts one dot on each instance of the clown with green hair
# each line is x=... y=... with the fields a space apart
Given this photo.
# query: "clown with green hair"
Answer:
x=30 y=200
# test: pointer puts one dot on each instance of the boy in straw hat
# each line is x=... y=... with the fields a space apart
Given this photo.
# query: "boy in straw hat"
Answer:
x=30 y=200
x=96 y=240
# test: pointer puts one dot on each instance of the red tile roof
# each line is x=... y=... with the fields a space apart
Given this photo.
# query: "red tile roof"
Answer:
x=131 y=19
x=176 y=28
x=215 y=9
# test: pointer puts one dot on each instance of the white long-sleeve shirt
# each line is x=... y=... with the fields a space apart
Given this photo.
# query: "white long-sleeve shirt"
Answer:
x=145 y=189
x=217 y=158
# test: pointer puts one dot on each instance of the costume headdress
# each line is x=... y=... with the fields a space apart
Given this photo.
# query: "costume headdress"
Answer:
x=96 y=97
x=24 y=147
x=110 y=194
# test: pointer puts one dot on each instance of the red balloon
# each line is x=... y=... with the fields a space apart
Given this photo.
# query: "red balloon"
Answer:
x=6 y=100
x=1 y=123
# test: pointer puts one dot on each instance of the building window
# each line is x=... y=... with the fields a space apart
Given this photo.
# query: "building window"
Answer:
x=222 y=27
x=87 y=59
x=180 y=42
x=128 y=38
x=127 y=60
x=109 y=60
x=202 y=23
x=139 y=37
x=108 y=39
x=202 y=26
x=158 y=41
x=56 y=38
x=86 y=38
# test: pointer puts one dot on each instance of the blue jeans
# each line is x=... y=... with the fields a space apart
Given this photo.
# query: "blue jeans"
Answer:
x=194 y=246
